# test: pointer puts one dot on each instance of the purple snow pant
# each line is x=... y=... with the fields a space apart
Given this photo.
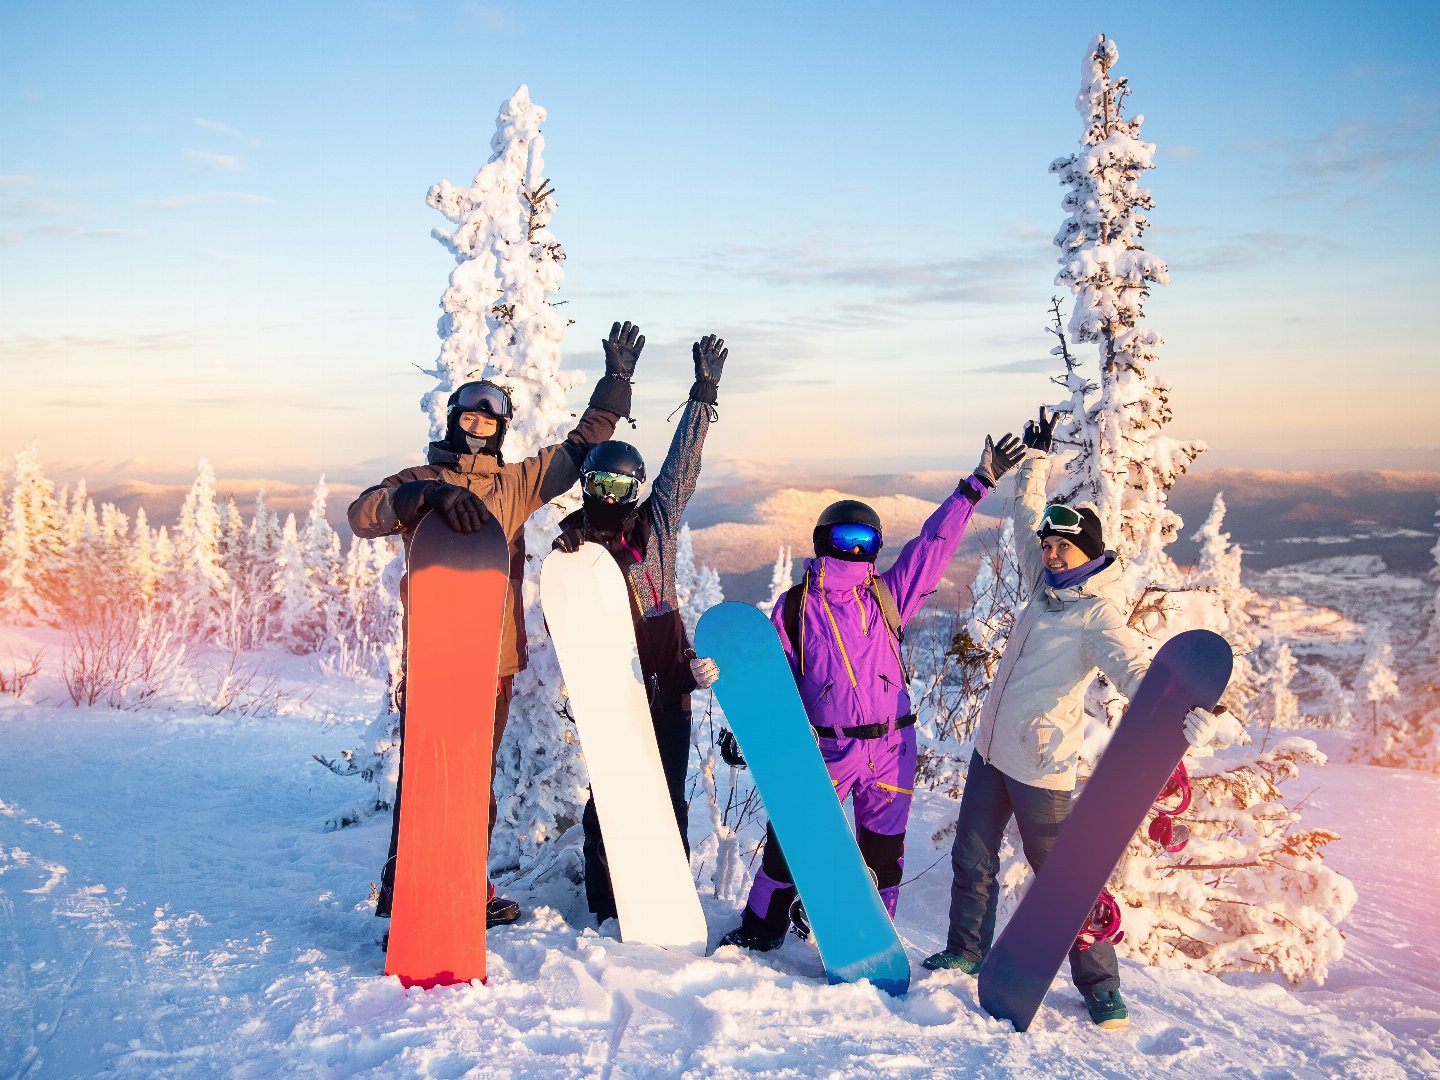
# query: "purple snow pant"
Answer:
x=880 y=775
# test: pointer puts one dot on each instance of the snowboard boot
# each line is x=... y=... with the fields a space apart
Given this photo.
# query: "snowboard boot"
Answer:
x=500 y=911
x=950 y=961
x=1107 y=1010
x=752 y=940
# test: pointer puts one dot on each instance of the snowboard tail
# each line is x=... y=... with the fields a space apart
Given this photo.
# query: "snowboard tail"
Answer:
x=757 y=690
x=457 y=585
x=1190 y=669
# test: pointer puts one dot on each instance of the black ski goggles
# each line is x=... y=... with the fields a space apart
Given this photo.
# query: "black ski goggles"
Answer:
x=1060 y=519
x=482 y=397
x=611 y=485
x=851 y=535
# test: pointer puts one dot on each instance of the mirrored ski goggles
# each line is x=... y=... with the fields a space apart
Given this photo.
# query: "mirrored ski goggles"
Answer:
x=483 y=397
x=611 y=485
x=849 y=536
x=1060 y=519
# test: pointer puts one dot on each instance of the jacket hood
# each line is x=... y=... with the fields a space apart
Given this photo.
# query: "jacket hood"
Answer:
x=838 y=575
x=440 y=454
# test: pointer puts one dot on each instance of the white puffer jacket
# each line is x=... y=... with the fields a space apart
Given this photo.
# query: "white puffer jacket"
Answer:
x=1032 y=723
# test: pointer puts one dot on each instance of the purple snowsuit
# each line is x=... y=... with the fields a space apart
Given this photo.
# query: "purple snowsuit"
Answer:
x=856 y=697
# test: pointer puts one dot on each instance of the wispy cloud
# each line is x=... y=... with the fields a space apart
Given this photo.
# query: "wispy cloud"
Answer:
x=217 y=127
x=1246 y=249
x=1353 y=157
x=202 y=198
x=210 y=162
x=44 y=346
x=1044 y=365
x=11 y=237
x=11 y=181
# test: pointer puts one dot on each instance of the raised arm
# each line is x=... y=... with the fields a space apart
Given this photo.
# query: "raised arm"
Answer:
x=1030 y=481
x=681 y=471
x=923 y=560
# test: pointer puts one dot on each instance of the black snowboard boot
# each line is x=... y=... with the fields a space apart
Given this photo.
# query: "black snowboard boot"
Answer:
x=500 y=911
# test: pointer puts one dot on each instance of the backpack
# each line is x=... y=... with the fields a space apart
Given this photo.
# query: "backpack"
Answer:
x=889 y=612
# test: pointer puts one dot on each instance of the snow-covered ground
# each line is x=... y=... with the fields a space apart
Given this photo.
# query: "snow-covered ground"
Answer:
x=170 y=905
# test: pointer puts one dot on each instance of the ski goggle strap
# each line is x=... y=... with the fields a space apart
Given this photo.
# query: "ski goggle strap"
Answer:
x=483 y=397
x=850 y=535
x=1061 y=519
x=611 y=485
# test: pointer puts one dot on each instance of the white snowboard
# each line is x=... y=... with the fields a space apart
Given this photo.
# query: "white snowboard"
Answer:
x=587 y=608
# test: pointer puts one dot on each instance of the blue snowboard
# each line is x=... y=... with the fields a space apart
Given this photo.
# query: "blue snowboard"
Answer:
x=757 y=691
x=1190 y=669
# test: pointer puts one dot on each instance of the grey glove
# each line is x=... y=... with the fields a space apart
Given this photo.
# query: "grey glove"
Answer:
x=705 y=671
x=997 y=459
x=622 y=349
x=1201 y=725
x=709 y=353
x=1040 y=435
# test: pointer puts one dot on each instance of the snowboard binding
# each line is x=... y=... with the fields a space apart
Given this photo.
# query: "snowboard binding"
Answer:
x=800 y=922
x=1163 y=829
x=1103 y=922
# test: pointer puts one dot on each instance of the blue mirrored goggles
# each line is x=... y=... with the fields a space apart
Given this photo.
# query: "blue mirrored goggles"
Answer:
x=852 y=535
x=483 y=397
x=609 y=485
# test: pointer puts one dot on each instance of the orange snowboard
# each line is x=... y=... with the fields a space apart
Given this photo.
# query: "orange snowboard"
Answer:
x=457 y=590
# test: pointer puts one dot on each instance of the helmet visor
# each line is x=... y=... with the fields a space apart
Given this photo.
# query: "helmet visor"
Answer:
x=483 y=397
x=611 y=485
x=1060 y=519
x=851 y=535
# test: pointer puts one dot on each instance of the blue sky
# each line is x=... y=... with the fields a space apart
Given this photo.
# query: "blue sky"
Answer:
x=214 y=240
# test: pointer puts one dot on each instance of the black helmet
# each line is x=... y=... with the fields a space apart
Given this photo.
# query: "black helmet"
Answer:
x=612 y=459
x=847 y=512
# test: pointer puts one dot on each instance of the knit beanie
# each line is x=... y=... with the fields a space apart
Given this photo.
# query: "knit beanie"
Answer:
x=1089 y=539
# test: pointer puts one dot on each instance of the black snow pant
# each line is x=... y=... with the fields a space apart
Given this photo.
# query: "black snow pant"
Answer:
x=989 y=801
x=672 y=737
x=503 y=694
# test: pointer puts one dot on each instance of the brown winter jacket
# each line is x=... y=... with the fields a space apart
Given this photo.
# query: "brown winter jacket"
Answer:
x=510 y=492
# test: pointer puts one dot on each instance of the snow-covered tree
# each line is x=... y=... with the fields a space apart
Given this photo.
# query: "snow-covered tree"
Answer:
x=696 y=587
x=1124 y=465
x=297 y=622
x=499 y=323
x=1335 y=701
x=320 y=554
x=32 y=549
x=200 y=582
x=782 y=576
x=1383 y=733
x=1217 y=571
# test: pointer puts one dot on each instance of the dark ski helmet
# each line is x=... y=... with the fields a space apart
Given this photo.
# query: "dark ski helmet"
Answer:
x=849 y=512
x=485 y=397
x=605 y=468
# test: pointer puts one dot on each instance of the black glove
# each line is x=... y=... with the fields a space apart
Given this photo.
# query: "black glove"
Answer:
x=1040 y=435
x=710 y=354
x=730 y=750
x=622 y=349
x=997 y=459
x=460 y=507
x=569 y=540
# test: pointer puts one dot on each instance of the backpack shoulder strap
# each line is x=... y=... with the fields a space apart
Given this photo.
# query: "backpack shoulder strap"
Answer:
x=889 y=610
x=790 y=617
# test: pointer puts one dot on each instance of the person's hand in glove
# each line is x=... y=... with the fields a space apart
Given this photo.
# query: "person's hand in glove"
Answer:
x=1201 y=725
x=730 y=750
x=997 y=459
x=1040 y=434
x=622 y=349
x=709 y=353
x=460 y=507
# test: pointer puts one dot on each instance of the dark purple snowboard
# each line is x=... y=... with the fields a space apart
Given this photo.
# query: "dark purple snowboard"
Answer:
x=1190 y=669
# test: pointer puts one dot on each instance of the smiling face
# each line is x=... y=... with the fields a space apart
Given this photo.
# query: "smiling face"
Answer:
x=1059 y=554
x=478 y=424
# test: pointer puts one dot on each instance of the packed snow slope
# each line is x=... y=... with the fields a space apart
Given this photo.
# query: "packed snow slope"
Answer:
x=171 y=906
